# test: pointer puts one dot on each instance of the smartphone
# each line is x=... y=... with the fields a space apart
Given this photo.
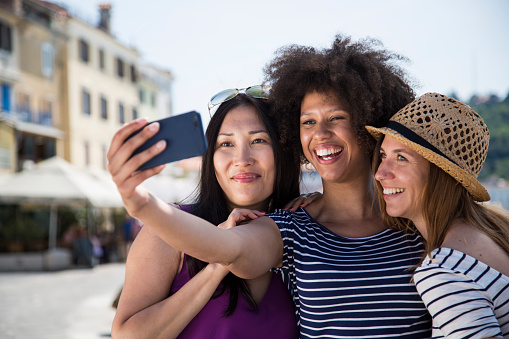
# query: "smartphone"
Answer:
x=184 y=138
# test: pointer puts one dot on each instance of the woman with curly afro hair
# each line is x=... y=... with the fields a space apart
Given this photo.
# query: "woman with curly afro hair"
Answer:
x=349 y=274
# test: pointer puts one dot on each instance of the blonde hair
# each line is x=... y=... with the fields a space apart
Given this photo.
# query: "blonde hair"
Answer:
x=444 y=200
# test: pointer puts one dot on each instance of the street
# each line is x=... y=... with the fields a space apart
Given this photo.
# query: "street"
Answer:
x=69 y=304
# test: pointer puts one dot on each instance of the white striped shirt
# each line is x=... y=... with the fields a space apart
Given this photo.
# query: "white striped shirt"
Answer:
x=466 y=298
x=351 y=287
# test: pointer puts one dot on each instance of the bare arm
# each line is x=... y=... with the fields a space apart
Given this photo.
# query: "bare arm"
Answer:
x=145 y=310
x=248 y=251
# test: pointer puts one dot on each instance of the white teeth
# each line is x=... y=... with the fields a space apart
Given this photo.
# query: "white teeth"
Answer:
x=327 y=151
x=390 y=191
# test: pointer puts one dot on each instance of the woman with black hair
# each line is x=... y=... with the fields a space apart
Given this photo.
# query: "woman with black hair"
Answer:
x=168 y=293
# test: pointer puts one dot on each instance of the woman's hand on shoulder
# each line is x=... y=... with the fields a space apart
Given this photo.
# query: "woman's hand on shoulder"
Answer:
x=123 y=166
x=302 y=201
x=239 y=216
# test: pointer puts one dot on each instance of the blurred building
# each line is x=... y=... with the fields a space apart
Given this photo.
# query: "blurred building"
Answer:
x=32 y=48
x=154 y=90
x=66 y=85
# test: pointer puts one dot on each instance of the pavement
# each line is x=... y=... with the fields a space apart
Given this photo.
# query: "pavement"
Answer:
x=68 y=304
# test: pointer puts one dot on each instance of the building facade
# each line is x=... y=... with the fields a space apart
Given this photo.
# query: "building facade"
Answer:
x=66 y=85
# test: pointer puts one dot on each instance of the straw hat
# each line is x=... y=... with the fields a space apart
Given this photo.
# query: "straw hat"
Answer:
x=446 y=132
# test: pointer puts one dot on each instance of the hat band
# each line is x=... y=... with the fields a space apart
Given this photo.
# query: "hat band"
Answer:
x=413 y=137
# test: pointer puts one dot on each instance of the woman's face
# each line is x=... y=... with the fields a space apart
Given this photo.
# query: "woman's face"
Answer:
x=328 y=141
x=244 y=159
x=402 y=174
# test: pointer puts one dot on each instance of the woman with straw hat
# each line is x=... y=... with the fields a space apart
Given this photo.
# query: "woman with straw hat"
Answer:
x=430 y=153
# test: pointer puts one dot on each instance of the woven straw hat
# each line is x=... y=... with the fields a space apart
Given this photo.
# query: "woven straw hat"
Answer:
x=446 y=132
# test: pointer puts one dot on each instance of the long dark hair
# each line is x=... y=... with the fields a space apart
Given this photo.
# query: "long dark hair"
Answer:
x=211 y=203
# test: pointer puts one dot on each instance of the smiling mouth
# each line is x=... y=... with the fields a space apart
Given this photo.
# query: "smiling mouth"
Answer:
x=328 y=153
x=245 y=177
x=392 y=191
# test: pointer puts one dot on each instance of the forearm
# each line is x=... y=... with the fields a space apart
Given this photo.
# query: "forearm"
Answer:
x=169 y=317
x=188 y=233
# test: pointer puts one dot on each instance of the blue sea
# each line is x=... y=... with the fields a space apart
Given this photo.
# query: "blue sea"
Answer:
x=499 y=195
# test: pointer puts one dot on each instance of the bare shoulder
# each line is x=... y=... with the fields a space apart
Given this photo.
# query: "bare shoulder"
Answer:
x=467 y=239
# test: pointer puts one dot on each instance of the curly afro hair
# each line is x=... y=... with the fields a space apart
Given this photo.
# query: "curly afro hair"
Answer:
x=362 y=74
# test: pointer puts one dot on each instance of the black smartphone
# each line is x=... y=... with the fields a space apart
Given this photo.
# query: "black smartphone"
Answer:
x=184 y=138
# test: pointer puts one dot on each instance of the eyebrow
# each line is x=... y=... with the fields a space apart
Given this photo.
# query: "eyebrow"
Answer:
x=250 y=133
x=397 y=150
x=335 y=109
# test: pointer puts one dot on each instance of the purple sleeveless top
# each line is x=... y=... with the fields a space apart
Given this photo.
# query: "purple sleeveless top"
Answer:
x=274 y=318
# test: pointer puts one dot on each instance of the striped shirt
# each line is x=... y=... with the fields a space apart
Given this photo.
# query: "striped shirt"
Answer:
x=351 y=287
x=467 y=298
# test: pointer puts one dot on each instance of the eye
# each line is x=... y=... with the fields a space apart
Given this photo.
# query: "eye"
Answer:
x=226 y=144
x=401 y=158
x=382 y=155
x=260 y=141
x=337 y=118
x=308 y=122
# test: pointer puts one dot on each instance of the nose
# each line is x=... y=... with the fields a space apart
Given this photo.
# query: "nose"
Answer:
x=383 y=172
x=243 y=156
x=322 y=131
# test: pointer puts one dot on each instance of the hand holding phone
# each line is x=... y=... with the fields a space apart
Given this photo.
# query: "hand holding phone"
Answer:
x=184 y=138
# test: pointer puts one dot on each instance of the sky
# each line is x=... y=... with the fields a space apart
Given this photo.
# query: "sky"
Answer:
x=459 y=46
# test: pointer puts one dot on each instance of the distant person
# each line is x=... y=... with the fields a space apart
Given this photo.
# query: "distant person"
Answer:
x=168 y=293
x=429 y=156
x=82 y=248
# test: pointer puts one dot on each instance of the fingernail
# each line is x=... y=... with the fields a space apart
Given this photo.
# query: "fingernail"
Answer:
x=153 y=126
x=160 y=144
x=262 y=212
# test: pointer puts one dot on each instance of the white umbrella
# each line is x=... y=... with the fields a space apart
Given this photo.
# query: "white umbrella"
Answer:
x=56 y=182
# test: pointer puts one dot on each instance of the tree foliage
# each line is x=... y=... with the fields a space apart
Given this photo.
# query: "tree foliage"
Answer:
x=495 y=113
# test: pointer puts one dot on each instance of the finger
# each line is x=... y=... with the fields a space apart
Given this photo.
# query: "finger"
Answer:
x=130 y=169
x=124 y=153
x=294 y=204
x=122 y=134
x=310 y=198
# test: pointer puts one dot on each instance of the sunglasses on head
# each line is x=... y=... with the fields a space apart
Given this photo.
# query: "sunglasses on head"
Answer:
x=258 y=91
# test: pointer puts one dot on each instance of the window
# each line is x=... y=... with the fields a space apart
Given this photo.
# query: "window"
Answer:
x=142 y=96
x=5 y=37
x=121 y=114
x=134 y=74
x=135 y=113
x=153 y=99
x=5 y=97
x=87 y=153
x=101 y=60
x=45 y=113
x=47 y=56
x=24 y=107
x=120 y=68
x=104 y=108
x=85 y=101
x=83 y=51
x=104 y=158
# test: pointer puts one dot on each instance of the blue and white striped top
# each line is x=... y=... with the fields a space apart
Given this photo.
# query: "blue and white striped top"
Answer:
x=351 y=287
x=467 y=298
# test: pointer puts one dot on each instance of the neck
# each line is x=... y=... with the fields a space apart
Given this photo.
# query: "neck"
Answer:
x=348 y=209
x=420 y=225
